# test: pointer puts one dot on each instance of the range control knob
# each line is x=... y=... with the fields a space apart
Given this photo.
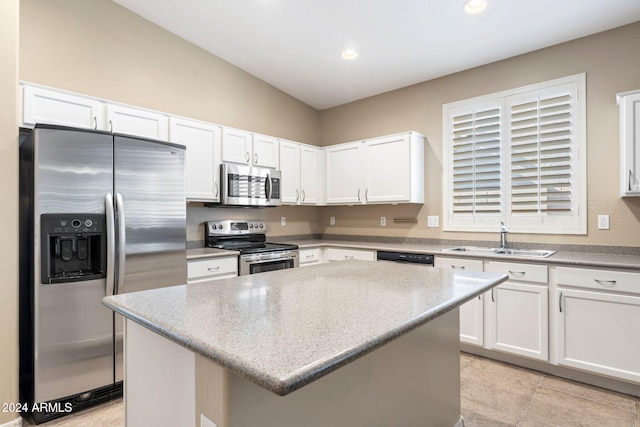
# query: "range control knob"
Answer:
x=219 y=226
x=261 y=225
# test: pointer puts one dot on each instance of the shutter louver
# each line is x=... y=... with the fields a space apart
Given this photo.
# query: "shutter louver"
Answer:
x=476 y=162
x=542 y=148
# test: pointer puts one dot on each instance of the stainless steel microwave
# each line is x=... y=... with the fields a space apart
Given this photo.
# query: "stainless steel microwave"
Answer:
x=249 y=186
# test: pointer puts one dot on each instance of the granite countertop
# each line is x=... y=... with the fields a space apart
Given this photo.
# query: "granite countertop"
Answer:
x=204 y=253
x=562 y=257
x=285 y=329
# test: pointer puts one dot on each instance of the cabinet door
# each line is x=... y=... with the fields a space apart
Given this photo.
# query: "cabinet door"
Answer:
x=517 y=320
x=338 y=254
x=41 y=105
x=266 y=150
x=310 y=175
x=471 y=312
x=343 y=163
x=212 y=269
x=599 y=332
x=629 y=143
x=387 y=169
x=236 y=146
x=202 y=160
x=290 y=168
x=138 y=122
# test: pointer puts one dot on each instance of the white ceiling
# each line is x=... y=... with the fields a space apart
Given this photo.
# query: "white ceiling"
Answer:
x=295 y=45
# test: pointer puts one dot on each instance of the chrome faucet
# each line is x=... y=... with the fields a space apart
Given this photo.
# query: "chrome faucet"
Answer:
x=503 y=236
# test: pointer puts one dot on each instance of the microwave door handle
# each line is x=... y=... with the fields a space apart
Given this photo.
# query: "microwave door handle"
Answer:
x=268 y=187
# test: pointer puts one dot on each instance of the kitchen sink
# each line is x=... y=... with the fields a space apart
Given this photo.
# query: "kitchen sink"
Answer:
x=475 y=250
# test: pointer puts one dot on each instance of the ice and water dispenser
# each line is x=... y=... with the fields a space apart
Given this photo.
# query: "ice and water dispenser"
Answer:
x=73 y=247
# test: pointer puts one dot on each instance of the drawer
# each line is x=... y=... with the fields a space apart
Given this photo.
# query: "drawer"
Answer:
x=337 y=254
x=520 y=271
x=601 y=280
x=309 y=256
x=212 y=268
x=458 y=263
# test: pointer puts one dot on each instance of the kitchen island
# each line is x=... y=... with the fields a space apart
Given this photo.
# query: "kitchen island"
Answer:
x=349 y=343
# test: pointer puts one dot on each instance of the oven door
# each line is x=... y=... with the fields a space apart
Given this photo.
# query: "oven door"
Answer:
x=267 y=261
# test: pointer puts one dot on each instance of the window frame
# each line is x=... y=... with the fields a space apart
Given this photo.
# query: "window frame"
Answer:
x=575 y=219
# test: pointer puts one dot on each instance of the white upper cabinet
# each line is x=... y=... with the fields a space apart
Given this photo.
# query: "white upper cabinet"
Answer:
x=629 y=103
x=203 y=157
x=387 y=169
x=266 y=150
x=137 y=121
x=42 y=105
x=250 y=149
x=302 y=173
x=394 y=169
x=343 y=173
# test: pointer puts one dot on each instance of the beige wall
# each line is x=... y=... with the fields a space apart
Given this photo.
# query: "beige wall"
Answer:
x=9 y=209
x=612 y=65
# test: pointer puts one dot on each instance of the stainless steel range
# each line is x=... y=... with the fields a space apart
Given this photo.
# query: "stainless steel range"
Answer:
x=249 y=238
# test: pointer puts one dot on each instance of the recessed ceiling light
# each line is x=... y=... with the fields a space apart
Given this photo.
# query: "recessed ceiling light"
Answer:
x=475 y=6
x=349 y=54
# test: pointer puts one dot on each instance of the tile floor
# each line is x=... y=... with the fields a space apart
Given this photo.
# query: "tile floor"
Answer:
x=493 y=394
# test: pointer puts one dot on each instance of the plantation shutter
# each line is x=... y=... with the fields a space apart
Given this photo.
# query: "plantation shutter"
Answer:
x=542 y=144
x=476 y=182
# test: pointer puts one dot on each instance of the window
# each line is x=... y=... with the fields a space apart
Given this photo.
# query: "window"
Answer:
x=518 y=157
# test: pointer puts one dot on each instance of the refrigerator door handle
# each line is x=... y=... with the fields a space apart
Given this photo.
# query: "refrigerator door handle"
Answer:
x=121 y=243
x=111 y=244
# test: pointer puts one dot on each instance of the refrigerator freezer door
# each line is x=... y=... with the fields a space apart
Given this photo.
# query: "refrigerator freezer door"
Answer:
x=73 y=331
x=150 y=190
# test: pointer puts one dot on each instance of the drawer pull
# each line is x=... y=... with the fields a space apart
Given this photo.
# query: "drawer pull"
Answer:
x=457 y=267
x=310 y=256
x=214 y=268
x=348 y=257
x=607 y=283
x=517 y=273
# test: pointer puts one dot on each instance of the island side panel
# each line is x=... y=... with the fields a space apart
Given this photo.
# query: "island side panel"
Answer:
x=413 y=380
x=159 y=382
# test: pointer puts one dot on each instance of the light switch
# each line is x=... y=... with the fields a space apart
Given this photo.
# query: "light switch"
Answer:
x=603 y=222
x=283 y=220
x=433 y=221
x=383 y=221
x=332 y=220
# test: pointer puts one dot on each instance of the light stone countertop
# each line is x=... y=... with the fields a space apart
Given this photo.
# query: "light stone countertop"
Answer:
x=562 y=257
x=285 y=329
x=205 y=253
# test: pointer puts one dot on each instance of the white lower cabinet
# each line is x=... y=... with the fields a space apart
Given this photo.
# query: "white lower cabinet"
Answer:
x=310 y=256
x=339 y=254
x=471 y=312
x=517 y=317
x=211 y=269
x=598 y=327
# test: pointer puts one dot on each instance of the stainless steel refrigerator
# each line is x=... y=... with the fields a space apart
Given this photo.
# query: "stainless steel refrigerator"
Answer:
x=101 y=214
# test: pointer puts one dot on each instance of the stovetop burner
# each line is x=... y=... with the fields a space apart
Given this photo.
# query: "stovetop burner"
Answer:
x=244 y=236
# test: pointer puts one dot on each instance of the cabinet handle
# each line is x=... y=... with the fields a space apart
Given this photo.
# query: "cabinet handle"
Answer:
x=629 y=179
x=607 y=283
x=359 y=195
x=214 y=268
x=492 y=297
x=348 y=257
x=309 y=256
x=457 y=267
x=297 y=195
x=110 y=126
x=517 y=273
x=366 y=195
x=247 y=157
x=95 y=122
x=304 y=196
x=560 y=302
x=255 y=158
x=216 y=185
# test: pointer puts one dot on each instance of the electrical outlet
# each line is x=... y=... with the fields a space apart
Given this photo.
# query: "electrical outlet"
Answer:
x=206 y=422
x=433 y=221
x=332 y=220
x=283 y=220
x=603 y=222
x=383 y=221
